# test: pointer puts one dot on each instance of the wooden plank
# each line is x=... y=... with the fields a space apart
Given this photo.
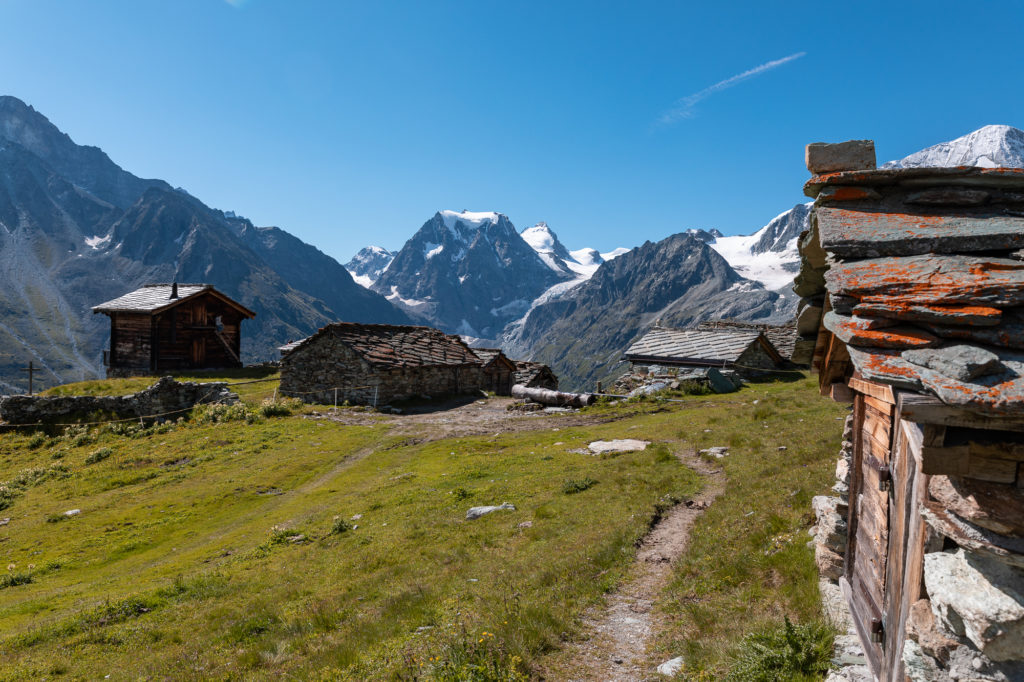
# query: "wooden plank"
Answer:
x=856 y=483
x=880 y=405
x=994 y=470
x=899 y=514
x=997 y=450
x=932 y=435
x=924 y=409
x=875 y=390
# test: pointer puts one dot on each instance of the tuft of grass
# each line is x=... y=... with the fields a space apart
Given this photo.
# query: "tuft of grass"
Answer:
x=12 y=579
x=98 y=455
x=784 y=652
x=340 y=526
x=578 y=485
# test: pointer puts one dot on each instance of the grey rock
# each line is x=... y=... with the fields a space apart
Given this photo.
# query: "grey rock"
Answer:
x=808 y=320
x=829 y=562
x=961 y=362
x=599 y=447
x=671 y=666
x=718 y=451
x=477 y=512
x=719 y=383
x=822 y=157
x=978 y=598
x=72 y=512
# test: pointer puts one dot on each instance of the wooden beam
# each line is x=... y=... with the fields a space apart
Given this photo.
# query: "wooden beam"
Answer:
x=925 y=409
x=875 y=390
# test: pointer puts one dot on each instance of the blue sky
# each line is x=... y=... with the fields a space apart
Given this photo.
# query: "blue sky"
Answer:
x=351 y=123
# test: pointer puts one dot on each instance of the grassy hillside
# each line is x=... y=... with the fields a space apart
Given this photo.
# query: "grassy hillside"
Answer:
x=296 y=545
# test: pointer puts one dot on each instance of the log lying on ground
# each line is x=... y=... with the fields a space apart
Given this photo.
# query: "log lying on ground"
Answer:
x=548 y=397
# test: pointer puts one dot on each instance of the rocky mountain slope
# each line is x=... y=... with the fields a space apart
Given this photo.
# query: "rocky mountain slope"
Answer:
x=77 y=230
x=768 y=256
x=677 y=281
x=468 y=273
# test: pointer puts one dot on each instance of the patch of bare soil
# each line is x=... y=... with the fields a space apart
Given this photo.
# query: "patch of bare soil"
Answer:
x=457 y=419
x=616 y=649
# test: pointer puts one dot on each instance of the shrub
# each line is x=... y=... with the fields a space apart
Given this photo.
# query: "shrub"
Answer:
x=577 y=485
x=12 y=579
x=789 y=652
x=282 y=407
x=340 y=526
x=215 y=413
x=98 y=455
x=37 y=440
x=461 y=494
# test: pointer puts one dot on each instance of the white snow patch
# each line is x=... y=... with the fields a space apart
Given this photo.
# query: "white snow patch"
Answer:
x=768 y=268
x=615 y=253
x=411 y=302
x=513 y=307
x=96 y=243
x=364 y=281
x=586 y=256
x=430 y=249
x=462 y=278
x=539 y=238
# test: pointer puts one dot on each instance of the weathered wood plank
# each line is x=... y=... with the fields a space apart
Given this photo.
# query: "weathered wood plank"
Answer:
x=872 y=233
x=877 y=391
x=840 y=392
x=880 y=406
x=861 y=615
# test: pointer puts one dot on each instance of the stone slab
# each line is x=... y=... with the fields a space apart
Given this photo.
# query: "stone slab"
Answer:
x=982 y=316
x=824 y=157
x=600 y=447
x=961 y=362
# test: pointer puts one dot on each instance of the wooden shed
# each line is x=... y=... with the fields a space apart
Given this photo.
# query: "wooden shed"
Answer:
x=173 y=327
x=746 y=350
x=499 y=371
x=918 y=279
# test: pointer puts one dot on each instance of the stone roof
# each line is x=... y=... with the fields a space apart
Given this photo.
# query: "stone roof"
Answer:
x=489 y=355
x=154 y=298
x=526 y=371
x=387 y=346
x=782 y=336
x=924 y=276
x=717 y=346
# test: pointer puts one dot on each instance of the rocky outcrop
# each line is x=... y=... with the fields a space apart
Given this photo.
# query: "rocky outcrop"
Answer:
x=166 y=399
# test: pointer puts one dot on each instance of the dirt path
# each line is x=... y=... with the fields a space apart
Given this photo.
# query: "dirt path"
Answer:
x=621 y=632
x=474 y=418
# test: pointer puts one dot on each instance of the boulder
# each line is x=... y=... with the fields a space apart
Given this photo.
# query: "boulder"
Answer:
x=601 y=447
x=477 y=512
x=829 y=563
x=921 y=628
x=997 y=507
x=961 y=362
x=979 y=598
x=671 y=666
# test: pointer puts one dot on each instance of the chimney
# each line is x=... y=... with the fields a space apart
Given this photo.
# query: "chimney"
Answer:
x=174 y=290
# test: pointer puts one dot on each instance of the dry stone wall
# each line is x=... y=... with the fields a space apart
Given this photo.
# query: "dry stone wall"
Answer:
x=166 y=397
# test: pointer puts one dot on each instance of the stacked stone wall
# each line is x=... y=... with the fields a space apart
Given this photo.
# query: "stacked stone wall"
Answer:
x=166 y=398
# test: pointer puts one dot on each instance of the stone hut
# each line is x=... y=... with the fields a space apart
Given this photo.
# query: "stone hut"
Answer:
x=535 y=375
x=914 y=281
x=173 y=327
x=783 y=337
x=499 y=371
x=372 y=364
x=746 y=350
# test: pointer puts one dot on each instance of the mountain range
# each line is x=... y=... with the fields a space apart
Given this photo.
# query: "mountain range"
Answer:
x=77 y=230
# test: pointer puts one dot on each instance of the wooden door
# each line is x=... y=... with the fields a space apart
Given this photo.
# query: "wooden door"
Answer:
x=866 y=558
x=198 y=354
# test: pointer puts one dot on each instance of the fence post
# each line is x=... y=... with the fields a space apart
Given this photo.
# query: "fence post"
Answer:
x=375 y=388
x=335 y=397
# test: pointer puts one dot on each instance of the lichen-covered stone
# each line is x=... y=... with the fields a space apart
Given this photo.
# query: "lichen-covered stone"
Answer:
x=961 y=361
x=824 y=157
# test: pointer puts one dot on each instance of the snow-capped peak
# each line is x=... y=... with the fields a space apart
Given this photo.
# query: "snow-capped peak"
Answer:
x=990 y=147
x=475 y=219
x=540 y=238
x=367 y=265
x=768 y=256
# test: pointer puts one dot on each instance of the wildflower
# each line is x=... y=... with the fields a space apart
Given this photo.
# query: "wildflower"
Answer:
x=11 y=567
x=31 y=567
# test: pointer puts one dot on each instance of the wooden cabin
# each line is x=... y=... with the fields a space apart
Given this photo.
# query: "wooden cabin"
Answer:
x=499 y=371
x=373 y=364
x=173 y=327
x=747 y=350
x=917 y=275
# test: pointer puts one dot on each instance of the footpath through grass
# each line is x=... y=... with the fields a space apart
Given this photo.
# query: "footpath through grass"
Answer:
x=272 y=546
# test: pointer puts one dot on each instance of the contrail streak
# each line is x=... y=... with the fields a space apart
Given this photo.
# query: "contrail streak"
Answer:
x=684 y=107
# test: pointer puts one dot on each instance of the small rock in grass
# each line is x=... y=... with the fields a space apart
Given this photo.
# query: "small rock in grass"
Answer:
x=4 y=522
x=599 y=447
x=525 y=524
x=719 y=451
x=477 y=512
x=356 y=517
x=72 y=512
x=782 y=447
x=671 y=666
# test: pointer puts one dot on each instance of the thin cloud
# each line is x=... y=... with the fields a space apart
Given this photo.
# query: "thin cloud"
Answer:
x=684 y=108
